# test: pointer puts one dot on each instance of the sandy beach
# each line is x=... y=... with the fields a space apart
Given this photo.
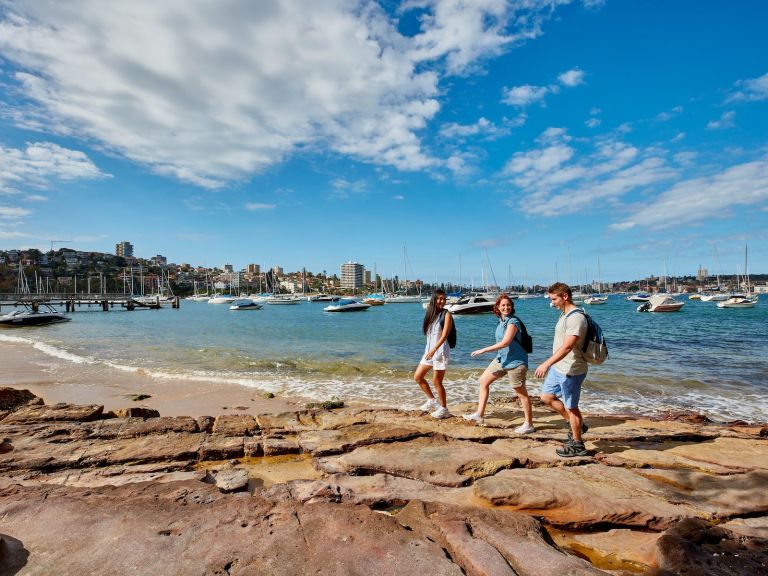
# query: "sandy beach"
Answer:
x=58 y=380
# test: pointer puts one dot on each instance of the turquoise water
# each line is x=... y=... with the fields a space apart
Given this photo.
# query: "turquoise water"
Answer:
x=702 y=358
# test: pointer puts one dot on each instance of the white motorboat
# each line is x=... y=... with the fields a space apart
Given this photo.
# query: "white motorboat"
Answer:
x=639 y=297
x=283 y=299
x=33 y=316
x=245 y=304
x=739 y=302
x=347 y=305
x=715 y=297
x=472 y=304
x=402 y=299
x=661 y=303
x=596 y=299
x=222 y=299
x=322 y=297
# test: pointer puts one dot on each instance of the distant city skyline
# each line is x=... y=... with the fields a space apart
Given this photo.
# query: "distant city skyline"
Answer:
x=428 y=140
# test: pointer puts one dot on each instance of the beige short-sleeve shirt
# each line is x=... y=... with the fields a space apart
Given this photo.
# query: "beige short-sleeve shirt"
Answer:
x=574 y=324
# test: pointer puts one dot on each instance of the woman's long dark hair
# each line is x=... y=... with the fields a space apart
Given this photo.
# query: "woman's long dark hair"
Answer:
x=432 y=311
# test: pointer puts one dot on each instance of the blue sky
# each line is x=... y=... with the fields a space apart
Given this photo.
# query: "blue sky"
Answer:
x=549 y=133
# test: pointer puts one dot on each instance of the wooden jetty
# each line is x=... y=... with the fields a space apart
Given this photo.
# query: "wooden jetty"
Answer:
x=71 y=302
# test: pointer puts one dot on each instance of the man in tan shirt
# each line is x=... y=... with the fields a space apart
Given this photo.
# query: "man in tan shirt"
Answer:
x=566 y=369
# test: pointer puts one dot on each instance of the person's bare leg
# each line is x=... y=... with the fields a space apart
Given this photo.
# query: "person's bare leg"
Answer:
x=486 y=380
x=575 y=419
x=437 y=382
x=419 y=377
x=556 y=405
x=525 y=402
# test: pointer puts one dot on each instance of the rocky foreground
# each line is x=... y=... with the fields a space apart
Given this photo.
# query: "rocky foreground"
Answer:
x=361 y=491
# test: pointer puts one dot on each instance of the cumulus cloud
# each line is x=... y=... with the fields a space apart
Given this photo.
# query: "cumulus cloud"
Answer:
x=697 y=199
x=209 y=95
x=524 y=95
x=40 y=164
x=483 y=128
x=571 y=77
x=750 y=90
x=593 y=122
x=556 y=179
x=725 y=121
x=527 y=94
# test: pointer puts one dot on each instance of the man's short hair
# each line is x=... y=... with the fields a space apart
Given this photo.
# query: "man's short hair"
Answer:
x=560 y=289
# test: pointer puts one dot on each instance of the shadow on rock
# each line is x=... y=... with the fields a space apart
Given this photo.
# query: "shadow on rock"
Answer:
x=13 y=555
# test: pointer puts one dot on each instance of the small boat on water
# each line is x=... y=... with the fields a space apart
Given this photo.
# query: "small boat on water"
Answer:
x=245 y=304
x=347 y=305
x=694 y=296
x=32 y=315
x=222 y=299
x=715 y=297
x=402 y=299
x=596 y=299
x=472 y=304
x=283 y=299
x=661 y=303
x=375 y=299
x=739 y=301
x=322 y=297
x=639 y=297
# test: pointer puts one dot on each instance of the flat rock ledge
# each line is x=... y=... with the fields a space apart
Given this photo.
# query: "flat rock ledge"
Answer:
x=363 y=491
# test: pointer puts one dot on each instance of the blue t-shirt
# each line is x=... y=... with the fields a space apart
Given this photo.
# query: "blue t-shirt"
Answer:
x=513 y=355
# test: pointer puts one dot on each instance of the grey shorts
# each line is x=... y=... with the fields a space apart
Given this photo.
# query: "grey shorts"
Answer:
x=516 y=375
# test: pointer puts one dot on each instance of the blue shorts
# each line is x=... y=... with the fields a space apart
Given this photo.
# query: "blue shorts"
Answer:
x=567 y=388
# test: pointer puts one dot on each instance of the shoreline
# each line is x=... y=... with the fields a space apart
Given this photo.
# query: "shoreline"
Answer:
x=59 y=381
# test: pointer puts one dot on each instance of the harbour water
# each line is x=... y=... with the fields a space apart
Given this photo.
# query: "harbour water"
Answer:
x=705 y=359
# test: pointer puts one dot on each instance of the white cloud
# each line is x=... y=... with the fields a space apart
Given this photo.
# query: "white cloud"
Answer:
x=464 y=32
x=483 y=128
x=209 y=95
x=13 y=212
x=712 y=196
x=528 y=94
x=725 y=121
x=398 y=197
x=668 y=115
x=572 y=77
x=593 y=122
x=258 y=207
x=524 y=95
x=751 y=90
x=40 y=164
x=554 y=180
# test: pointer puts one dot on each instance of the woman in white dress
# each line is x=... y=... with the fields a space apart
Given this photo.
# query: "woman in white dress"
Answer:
x=436 y=326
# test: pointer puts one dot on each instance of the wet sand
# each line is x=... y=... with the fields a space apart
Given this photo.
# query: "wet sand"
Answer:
x=58 y=380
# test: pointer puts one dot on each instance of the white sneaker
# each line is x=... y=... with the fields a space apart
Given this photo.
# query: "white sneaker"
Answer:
x=441 y=412
x=429 y=405
x=474 y=417
x=525 y=428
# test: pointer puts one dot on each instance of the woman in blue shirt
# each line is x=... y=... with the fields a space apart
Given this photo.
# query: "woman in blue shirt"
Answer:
x=511 y=360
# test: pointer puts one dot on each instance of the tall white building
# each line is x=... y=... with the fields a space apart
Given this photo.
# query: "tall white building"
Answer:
x=352 y=275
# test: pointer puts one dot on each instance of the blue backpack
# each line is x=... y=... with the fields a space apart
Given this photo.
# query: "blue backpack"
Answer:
x=595 y=348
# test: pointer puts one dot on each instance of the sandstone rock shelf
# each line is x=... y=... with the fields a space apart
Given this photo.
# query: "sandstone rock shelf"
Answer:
x=363 y=491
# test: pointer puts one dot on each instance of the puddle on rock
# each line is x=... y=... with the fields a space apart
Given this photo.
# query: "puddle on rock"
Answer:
x=598 y=558
x=266 y=471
